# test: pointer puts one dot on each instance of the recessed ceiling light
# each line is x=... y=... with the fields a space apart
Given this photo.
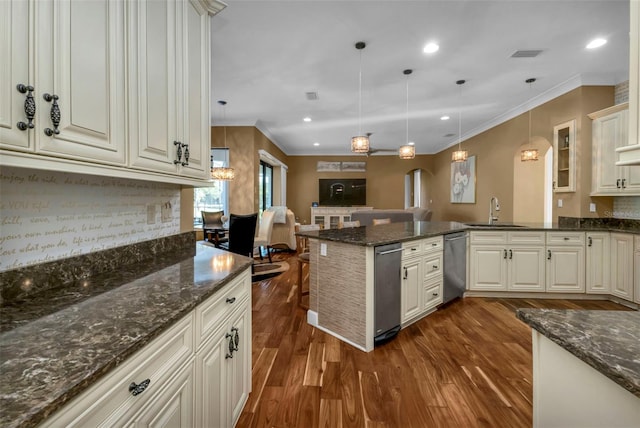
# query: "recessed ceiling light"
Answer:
x=431 y=47
x=445 y=117
x=411 y=143
x=596 y=43
x=316 y=144
x=307 y=119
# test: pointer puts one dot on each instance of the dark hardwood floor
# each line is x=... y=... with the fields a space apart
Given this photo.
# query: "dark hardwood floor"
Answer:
x=467 y=365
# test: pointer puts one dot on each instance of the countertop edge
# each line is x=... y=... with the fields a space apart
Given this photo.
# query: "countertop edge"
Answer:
x=591 y=359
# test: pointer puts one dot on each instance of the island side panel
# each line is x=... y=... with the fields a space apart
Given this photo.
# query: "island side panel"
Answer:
x=342 y=291
x=313 y=275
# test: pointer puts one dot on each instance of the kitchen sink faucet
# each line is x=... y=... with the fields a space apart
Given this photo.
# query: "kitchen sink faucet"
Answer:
x=493 y=217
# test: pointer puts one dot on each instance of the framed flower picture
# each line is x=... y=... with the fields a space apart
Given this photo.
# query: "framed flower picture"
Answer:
x=463 y=181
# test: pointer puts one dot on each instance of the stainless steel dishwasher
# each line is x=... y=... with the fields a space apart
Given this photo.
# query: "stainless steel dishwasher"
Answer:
x=387 y=291
x=455 y=266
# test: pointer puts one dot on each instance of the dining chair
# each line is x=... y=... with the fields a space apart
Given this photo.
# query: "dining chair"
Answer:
x=212 y=226
x=242 y=231
x=303 y=260
x=264 y=233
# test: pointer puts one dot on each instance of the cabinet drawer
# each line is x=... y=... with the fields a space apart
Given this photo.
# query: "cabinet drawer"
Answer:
x=432 y=265
x=212 y=312
x=432 y=294
x=412 y=248
x=529 y=238
x=432 y=244
x=493 y=237
x=565 y=238
x=636 y=240
x=109 y=402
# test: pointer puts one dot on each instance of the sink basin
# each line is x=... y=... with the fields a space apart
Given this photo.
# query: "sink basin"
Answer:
x=493 y=225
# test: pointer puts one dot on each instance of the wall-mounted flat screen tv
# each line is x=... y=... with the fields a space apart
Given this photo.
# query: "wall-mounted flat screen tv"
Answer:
x=342 y=192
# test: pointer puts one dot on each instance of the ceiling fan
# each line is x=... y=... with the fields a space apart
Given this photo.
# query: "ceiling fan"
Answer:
x=372 y=150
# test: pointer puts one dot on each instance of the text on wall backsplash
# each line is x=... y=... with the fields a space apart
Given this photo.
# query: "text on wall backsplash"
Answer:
x=47 y=216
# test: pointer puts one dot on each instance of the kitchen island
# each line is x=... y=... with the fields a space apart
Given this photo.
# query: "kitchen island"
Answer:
x=341 y=274
x=586 y=367
x=51 y=357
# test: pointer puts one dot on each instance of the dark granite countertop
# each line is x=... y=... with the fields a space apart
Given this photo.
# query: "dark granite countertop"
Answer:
x=407 y=231
x=49 y=359
x=609 y=341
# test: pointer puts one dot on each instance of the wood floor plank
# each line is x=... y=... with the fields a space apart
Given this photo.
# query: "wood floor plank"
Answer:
x=468 y=364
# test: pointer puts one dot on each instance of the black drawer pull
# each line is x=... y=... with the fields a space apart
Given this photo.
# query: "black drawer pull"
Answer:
x=231 y=299
x=139 y=388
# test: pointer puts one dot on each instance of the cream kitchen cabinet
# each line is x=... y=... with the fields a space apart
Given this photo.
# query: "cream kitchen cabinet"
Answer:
x=223 y=357
x=72 y=104
x=564 y=157
x=411 y=288
x=422 y=277
x=507 y=261
x=197 y=373
x=169 y=87
x=610 y=131
x=622 y=265
x=598 y=263
x=120 y=88
x=565 y=262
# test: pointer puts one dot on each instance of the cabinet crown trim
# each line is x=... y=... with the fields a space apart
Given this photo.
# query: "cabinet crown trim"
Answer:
x=609 y=110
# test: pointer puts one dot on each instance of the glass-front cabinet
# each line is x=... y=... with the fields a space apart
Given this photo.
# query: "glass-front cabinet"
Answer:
x=564 y=157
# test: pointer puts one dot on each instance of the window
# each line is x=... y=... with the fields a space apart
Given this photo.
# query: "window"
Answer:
x=215 y=197
x=266 y=186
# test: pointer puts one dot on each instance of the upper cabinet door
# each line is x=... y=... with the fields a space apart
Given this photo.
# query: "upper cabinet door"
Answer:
x=564 y=157
x=16 y=31
x=195 y=100
x=80 y=78
x=153 y=85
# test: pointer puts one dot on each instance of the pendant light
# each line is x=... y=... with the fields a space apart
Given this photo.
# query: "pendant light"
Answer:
x=407 y=151
x=360 y=143
x=223 y=172
x=460 y=155
x=529 y=153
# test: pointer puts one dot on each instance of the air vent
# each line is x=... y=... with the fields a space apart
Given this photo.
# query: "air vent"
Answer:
x=449 y=135
x=311 y=96
x=531 y=53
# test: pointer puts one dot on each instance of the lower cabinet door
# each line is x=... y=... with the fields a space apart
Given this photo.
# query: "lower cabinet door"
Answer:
x=239 y=367
x=432 y=294
x=411 y=288
x=526 y=269
x=223 y=372
x=488 y=268
x=171 y=407
x=211 y=381
x=565 y=269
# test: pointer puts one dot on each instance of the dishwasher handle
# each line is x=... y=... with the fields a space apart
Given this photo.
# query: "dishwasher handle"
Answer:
x=456 y=238
x=382 y=253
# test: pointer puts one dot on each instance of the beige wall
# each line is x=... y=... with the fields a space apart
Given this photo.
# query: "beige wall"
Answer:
x=243 y=143
x=497 y=173
x=384 y=174
x=495 y=150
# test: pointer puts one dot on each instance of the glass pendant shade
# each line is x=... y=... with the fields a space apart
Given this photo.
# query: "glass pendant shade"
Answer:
x=407 y=152
x=459 y=156
x=529 y=155
x=223 y=173
x=360 y=144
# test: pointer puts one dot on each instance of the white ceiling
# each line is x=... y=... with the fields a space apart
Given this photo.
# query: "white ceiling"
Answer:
x=267 y=54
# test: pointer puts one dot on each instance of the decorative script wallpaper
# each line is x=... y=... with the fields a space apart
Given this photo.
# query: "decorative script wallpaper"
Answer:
x=46 y=216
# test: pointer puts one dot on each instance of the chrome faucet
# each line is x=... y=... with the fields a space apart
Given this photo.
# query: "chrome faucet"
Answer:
x=493 y=217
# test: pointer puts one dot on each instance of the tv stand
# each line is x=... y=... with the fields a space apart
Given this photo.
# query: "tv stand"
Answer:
x=330 y=217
